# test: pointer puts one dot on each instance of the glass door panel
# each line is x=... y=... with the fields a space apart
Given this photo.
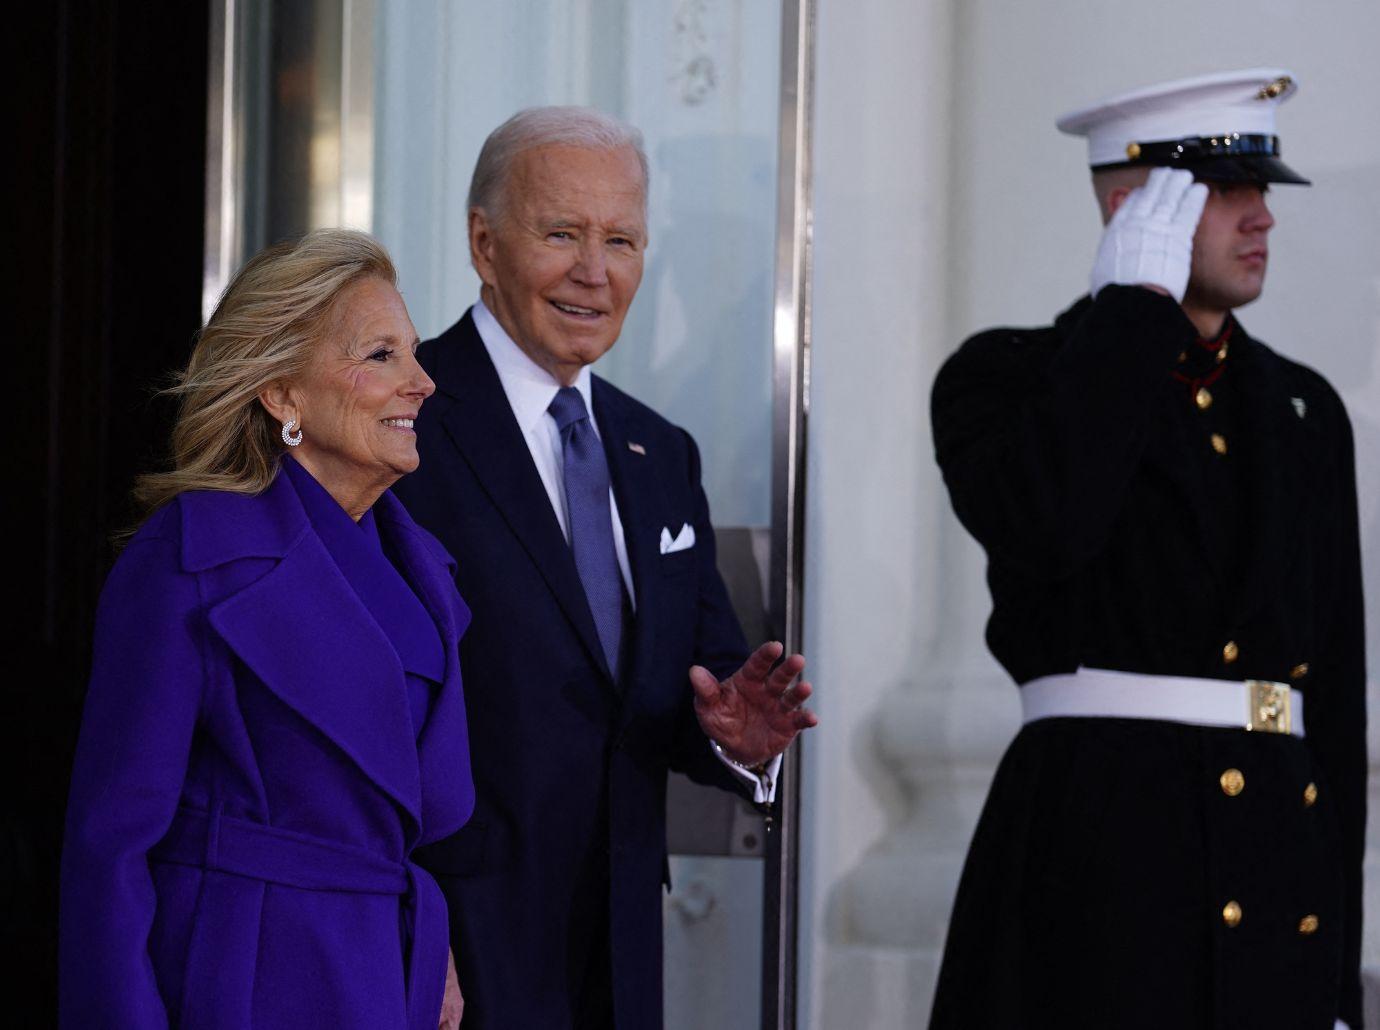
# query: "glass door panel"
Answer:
x=701 y=80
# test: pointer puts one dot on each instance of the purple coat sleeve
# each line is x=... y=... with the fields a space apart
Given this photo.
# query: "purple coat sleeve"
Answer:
x=141 y=707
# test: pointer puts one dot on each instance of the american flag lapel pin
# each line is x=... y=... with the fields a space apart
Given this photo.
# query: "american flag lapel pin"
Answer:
x=637 y=448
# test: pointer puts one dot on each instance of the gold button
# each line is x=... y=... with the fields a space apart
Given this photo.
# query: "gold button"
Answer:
x=1183 y=356
x=1310 y=795
x=1132 y=151
x=1299 y=671
x=1230 y=652
x=1233 y=783
x=1221 y=353
x=1308 y=925
x=1231 y=913
x=1202 y=398
x=1219 y=443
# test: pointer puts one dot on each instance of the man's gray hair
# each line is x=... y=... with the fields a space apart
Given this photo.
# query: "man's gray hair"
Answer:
x=547 y=126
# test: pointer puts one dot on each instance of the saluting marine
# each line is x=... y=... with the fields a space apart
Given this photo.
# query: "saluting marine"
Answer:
x=1168 y=506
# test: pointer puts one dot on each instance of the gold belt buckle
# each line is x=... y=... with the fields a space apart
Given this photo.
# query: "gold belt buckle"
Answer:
x=1269 y=709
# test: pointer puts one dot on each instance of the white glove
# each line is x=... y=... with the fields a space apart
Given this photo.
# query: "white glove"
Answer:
x=1149 y=241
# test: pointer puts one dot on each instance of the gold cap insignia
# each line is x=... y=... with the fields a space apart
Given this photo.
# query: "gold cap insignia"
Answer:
x=1273 y=89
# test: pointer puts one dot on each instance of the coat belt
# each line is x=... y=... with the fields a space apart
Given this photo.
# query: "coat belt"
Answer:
x=242 y=847
x=1259 y=705
x=229 y=844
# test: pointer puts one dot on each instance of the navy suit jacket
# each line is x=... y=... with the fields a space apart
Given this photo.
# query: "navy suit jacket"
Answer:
x=567 y=847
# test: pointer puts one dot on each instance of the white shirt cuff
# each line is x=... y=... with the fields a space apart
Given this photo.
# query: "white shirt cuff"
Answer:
x=763 y=785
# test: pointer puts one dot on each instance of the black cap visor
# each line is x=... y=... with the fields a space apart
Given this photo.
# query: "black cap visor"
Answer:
x=1228 y=158
x=1252 y=168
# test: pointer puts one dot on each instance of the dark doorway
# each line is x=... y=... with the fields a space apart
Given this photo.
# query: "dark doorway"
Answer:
x=111 y=141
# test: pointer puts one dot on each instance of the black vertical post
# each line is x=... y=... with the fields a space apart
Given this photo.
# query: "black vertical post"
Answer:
x=111 y=121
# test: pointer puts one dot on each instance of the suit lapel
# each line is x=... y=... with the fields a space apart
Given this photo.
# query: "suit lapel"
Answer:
x=634 y=484
x=481 y=426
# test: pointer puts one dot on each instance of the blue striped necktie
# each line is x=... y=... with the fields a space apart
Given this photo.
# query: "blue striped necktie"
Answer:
x=586 y=476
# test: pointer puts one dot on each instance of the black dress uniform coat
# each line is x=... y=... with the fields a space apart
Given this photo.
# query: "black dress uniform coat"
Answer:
x=1157 y=504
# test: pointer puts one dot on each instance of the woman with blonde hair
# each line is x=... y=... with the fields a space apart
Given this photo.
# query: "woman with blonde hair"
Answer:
x=274 y=719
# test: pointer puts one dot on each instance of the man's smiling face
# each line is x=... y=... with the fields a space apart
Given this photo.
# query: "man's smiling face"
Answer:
x=562 y=260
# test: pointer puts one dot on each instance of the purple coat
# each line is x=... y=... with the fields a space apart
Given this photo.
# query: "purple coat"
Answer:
x=249 y=787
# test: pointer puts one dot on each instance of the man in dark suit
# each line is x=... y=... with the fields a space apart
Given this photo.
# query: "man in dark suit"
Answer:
x=1174 y=838
x=603 y=650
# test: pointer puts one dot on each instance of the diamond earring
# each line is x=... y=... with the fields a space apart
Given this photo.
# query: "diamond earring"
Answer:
x=288 y=438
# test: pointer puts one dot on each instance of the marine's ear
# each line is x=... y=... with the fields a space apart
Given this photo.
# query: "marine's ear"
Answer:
x=1116 y=198
x=1112 y=186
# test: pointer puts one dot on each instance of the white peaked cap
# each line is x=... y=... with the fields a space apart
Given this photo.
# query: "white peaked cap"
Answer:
x=1225 y=121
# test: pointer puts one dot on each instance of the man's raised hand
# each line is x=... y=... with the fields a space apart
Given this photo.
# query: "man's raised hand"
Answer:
x=756 y=712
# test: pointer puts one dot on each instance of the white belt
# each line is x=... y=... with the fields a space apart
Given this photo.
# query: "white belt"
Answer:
x=1258 y=705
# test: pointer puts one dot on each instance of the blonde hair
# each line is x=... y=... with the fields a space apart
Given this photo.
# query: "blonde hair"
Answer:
x=265 y=329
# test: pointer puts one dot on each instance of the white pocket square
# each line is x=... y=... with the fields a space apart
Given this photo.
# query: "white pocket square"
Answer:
x=684 y=540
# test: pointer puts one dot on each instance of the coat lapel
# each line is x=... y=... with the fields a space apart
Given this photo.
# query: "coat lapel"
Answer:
x=481 y=426
x=430 y=571
x=443 y=748
x=303 y=631
x=1163 y=456
x=1165 y=453
x=634 y=483
x=1278 y=477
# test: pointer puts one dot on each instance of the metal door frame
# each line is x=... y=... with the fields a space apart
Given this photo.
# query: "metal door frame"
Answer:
x=790 y=415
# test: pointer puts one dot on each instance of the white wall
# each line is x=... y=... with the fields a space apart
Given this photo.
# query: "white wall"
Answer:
x=945 y=201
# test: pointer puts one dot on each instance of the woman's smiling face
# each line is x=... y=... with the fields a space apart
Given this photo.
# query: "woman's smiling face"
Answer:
x=357 y=400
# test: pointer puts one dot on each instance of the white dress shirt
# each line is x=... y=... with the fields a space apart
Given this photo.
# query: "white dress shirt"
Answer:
x=530 y=389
